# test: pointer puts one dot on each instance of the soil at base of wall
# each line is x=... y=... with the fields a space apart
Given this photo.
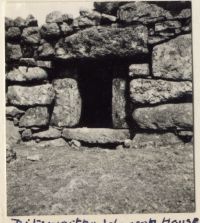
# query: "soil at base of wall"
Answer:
x=100 y=181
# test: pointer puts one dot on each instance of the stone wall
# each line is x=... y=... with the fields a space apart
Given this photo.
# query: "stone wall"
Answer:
x=149 y=46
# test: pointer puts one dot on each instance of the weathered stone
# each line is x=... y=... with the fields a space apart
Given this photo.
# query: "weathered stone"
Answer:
x=119 y=114
x=184 y=14
x=35 y=157
x=51 y=133
x=66 y=29
x=154 y=40
x=13 y=33
x=108 y=19
x=93 y=15
x=44 y=64
x=31 y=21
x=165 y=117
x=36 y=116
x=30 y=96
x=173 y=59
x=46 y=50
x=12 y=134
x=27 y=135
x=53 y=142
x=8 y=22
x=67 y=109
x=13 y=51
x=108 y=7
x=50 y=31
x=12 y=112
x=84 y=22
x=28 y=74
x=187 y=26
x=15 y=121
x=96 y=135
x=29 y=62
x=146 y=91
x=54 y=17
x=165 y=25
x=136 y=70
x=19 y=22
x=31 y=35
x=141 y=140
x=144 y=12
x=97 y=42
x=68 y=18
x=74 y=143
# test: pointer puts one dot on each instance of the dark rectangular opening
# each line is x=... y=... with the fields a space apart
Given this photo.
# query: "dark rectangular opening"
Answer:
x=95 y=83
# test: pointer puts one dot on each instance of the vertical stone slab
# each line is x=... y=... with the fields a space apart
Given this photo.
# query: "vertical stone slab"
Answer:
x=119 y=103
x=67 y=109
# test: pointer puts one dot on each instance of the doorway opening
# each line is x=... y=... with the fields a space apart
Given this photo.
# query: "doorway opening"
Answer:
x=95 y=84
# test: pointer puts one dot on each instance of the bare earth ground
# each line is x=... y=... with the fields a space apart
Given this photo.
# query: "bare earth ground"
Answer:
x=101 y=181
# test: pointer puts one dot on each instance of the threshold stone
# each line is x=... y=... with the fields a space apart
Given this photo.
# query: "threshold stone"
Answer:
x=96 y=135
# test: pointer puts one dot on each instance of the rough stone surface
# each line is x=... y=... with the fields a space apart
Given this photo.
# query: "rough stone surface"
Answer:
x=161 y=26
x=50 y=31
x=46 y=50
x=19 y=22
x=13 y=51
x=12 y=134
x=66 y=29
x=55 y=16
x=28 y=74
x=119 y=114
x=107 y=19
x=44 y=64
x=97 y=42
x=37 y=116
x=186 y=136
x=67 y=109
x=173 y=59
x=51 y=133
x=52 y=143
x=30 y=96
x=84 y=22
x=96 y=135
x=31 y=35
x=165 y=117
x=136 y=70
x=143 y=12
x=13 y=33
x=26 y=134
x=184 y=14
x=146 y=91
x=141 y=140
x=12 y=112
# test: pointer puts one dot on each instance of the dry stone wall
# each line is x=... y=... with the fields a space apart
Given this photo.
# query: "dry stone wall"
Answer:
x=152 y=94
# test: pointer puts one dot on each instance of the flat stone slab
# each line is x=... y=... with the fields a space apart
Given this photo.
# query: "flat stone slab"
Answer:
x=147 y=91
x=96 y=135
x=173 y=59
x=28 y=74
x=98 y=42
x=30 y=96
x=165 y=117
x=37 y=116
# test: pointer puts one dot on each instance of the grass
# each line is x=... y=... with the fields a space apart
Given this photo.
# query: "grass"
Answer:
x=101 y=181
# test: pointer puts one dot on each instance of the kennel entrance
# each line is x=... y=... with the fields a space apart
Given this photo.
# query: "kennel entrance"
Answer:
x=95 y=85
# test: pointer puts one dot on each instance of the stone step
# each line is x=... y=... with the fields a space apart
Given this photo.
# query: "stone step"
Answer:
x=97 y=135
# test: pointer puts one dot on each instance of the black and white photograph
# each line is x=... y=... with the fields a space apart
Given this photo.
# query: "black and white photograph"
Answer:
x=99 y=107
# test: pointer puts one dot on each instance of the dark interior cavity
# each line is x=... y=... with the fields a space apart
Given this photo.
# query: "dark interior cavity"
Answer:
x=95 y=83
